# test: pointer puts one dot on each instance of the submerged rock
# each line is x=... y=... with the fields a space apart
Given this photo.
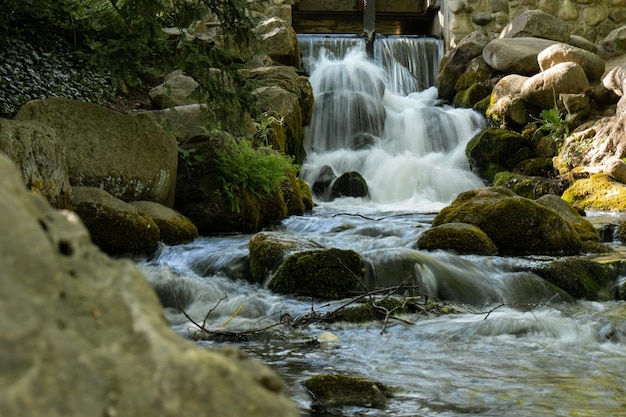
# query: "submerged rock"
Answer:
x=349 y=184
x=342 y=390
x=84 y=335
x=581 y=278
x=115 y=226
x=516 y=225
x=461 y=238
x=323 y=273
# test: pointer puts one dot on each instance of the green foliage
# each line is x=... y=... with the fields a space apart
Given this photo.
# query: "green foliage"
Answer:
x=189 y=156
x=31 y=71
x=553 y=124
x=259 y=171
x=264 y=126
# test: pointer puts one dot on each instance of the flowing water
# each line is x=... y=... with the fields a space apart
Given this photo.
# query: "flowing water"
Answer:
x=513 y=346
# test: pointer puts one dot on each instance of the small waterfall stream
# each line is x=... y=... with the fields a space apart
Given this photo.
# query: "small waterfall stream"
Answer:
x=517 y=347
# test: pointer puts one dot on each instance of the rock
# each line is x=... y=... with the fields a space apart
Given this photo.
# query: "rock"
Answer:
x=543 y=89
x=476 y=71
x=591 y=63
x=131 y=157
x=174 y=228
x=592 y=145
x=583 y=227
x=515 y=55
x=455 y=62
x=34 y=147
x=469 y=97
x=535 y=23
x=506 y=105
x=116 y=227
x=184 y=122
x=323 y=273
x=614 y=43
x=580 y=42
x=341 y=390
x=349 y=184
x=577 y=106
x=286 y=105
x=579 y=277
x=616 y=169
x=268 y=249
x=615 y=80
x=598 y=192
x=516 y=225
x=279 y=41
x=288 y=79
x=496 y=149
x=528 y=186
x=461 y=238
x=84 y=335
x=178 y=89
x=321 y=185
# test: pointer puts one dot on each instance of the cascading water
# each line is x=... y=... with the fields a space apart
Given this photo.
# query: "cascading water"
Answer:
x=409 y=151
x=517 y=346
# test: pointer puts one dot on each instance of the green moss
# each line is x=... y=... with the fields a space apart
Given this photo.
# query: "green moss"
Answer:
x=327 y=274
x=598 y=192
x=342 y=390
x=117 y=232
x=370 y=310
x=470 y=96
x=523 y=185
x=579 y=277
x=176 y=231
x=462 y=238
x=482 y=105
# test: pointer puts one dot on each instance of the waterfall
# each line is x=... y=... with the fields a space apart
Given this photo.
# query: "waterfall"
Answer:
x=375 y=118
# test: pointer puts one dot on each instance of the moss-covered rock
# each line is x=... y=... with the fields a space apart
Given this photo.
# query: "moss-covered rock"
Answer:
x=349 y=184
x=496 y=149
x=115 y=226
x=598 y=192
x=581 y=278
x=175 y=228
x=526 y=186
x=583 y=227
x=342 y=390
x=516 y=225
x=268 y=249
x=470 y=96
x=462 y=238
x=326 y=273
x=370 y=310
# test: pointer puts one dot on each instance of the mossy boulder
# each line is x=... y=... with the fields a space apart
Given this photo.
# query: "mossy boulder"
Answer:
x=516 y=225
x=585 y=229
x=580 y=277
x=268 y=249
x=527 y=186
x=335 y=390
x=175 y=228
x=325 y=273
x=349 y=184
x=495 y=149
x=370 y=310
x=598 y=192
x=115 y=226
x=473 y=94
x=462 y=238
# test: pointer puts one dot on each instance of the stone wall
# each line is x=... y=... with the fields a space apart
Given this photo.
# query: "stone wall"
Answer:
x=591 y=19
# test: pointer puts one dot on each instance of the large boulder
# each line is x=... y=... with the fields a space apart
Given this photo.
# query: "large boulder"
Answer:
x=543 y=89
x=83 y=335
x=321 y=273
x=349 y=184
x=581 y=278
x=131 y=157
x=117 y=227
x=495 y=149
x=268 y=249
x=583 y=227
x=279 y=41
x=174 y=228
x=598 y=192
x=34 y=147
x=506 y=106
x=177 y=89
x=455 y=62
x=515 y=55
x=184 y=122
x=591 y=63
x=538 y=24
x=461 y=238
x=516 y=225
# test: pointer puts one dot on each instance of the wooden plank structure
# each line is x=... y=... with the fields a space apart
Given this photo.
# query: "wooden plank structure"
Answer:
x=386 y=17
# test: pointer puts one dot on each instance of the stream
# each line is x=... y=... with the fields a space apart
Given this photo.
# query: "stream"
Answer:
x=514 y=345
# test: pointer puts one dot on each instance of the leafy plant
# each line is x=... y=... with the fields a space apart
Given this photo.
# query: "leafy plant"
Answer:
x=264 y=126
x=553 y=124
x=189 y=156
x=259 y=171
